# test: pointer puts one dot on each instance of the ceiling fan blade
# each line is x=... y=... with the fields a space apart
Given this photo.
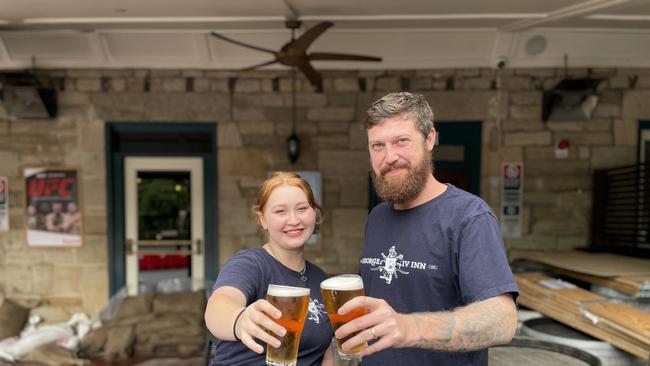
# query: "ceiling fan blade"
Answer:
x=305 y=40
x=321 y=56
x=241 y=43
x=314 y=76
x=258 y=65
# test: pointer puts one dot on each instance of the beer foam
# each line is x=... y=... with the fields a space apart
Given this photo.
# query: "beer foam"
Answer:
x=287 y=291
x=343 y=282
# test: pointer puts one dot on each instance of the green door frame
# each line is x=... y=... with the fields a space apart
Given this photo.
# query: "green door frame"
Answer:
x=115 y=188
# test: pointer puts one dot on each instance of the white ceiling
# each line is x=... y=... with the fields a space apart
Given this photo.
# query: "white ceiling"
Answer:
x=408 y=34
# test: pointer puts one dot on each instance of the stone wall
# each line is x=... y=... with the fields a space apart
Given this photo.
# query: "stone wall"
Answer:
x=253 y=114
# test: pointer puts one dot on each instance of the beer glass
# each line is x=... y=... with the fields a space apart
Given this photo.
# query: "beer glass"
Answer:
x=338 y=360
x=293 y=302
x=336 y=292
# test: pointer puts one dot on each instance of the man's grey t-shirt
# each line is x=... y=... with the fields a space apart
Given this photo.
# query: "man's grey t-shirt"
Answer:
x=443 y=254
x=251 y=271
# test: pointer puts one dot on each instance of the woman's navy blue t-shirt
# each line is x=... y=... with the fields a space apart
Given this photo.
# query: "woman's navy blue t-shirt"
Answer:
x=251 y=271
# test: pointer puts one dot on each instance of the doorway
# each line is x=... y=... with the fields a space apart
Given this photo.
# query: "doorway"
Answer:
x=457 y=158
x=162 y=224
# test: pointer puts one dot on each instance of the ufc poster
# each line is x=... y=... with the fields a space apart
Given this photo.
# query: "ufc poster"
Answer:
x=52 y=210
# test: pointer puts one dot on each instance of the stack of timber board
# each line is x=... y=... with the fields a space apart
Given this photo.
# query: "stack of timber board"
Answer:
x=624 y=326
x=629 y=276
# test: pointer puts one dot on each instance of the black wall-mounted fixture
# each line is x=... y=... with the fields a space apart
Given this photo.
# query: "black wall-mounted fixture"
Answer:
x=25 y=97
x=571 y=99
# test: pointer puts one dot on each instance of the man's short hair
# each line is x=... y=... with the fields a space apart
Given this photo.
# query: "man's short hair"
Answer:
x=397 y=104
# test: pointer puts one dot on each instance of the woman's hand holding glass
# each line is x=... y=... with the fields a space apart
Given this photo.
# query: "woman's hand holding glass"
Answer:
x=256 y=322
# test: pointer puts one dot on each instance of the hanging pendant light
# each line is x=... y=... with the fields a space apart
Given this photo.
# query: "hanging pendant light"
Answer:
x=293 y=142
x=293 y=148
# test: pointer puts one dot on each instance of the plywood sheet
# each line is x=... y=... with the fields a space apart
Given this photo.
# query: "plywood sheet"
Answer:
x=596 y=264
x=631 y=320
x=640 y=282
x=600 y=331
x=622 y=325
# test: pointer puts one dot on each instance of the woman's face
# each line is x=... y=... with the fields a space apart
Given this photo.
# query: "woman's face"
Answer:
x=288 y=218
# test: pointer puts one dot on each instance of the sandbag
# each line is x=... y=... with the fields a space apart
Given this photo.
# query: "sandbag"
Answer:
x=181 y=302
x=119 y=343
x=135 y=305
x=13 y=317
x=53 y=355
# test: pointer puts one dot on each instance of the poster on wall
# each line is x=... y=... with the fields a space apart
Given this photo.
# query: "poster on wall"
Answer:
x=4 y=204
x=52 y=209
x=512 y=187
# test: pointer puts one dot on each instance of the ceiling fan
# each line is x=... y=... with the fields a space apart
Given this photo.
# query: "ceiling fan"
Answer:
x=294 y=53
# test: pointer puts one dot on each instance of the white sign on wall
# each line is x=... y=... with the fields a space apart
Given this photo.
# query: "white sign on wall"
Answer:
x=4 y=204
x=512 y=187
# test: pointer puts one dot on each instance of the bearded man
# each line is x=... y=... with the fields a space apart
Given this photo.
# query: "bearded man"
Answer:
x=439 y=290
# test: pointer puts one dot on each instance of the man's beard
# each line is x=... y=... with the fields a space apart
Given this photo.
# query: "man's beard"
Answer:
x=401 y=190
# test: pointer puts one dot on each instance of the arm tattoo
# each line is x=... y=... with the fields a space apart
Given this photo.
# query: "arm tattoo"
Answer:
x=473 y=327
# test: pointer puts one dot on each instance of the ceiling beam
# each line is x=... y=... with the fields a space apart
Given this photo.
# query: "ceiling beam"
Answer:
x=562 y=13
x=146 y=20
x=448 y=16
x=620 y=17
x=242 y=19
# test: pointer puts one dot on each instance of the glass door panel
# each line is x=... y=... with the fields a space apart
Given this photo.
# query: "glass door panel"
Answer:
x=164 y=222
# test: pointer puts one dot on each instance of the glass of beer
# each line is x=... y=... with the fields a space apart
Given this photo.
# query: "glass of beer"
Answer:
x=337 y=291
x=292 y=303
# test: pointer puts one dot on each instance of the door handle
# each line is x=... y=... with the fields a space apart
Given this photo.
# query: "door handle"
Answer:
x=130 y=247
x=198 y=244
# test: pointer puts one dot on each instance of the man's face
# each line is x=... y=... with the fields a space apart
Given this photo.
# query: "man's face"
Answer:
x=400 y=158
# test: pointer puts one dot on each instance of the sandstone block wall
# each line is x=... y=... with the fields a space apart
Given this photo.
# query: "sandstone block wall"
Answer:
x=253 y=113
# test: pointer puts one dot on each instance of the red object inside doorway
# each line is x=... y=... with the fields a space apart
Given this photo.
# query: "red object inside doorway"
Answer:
x=151 y=262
